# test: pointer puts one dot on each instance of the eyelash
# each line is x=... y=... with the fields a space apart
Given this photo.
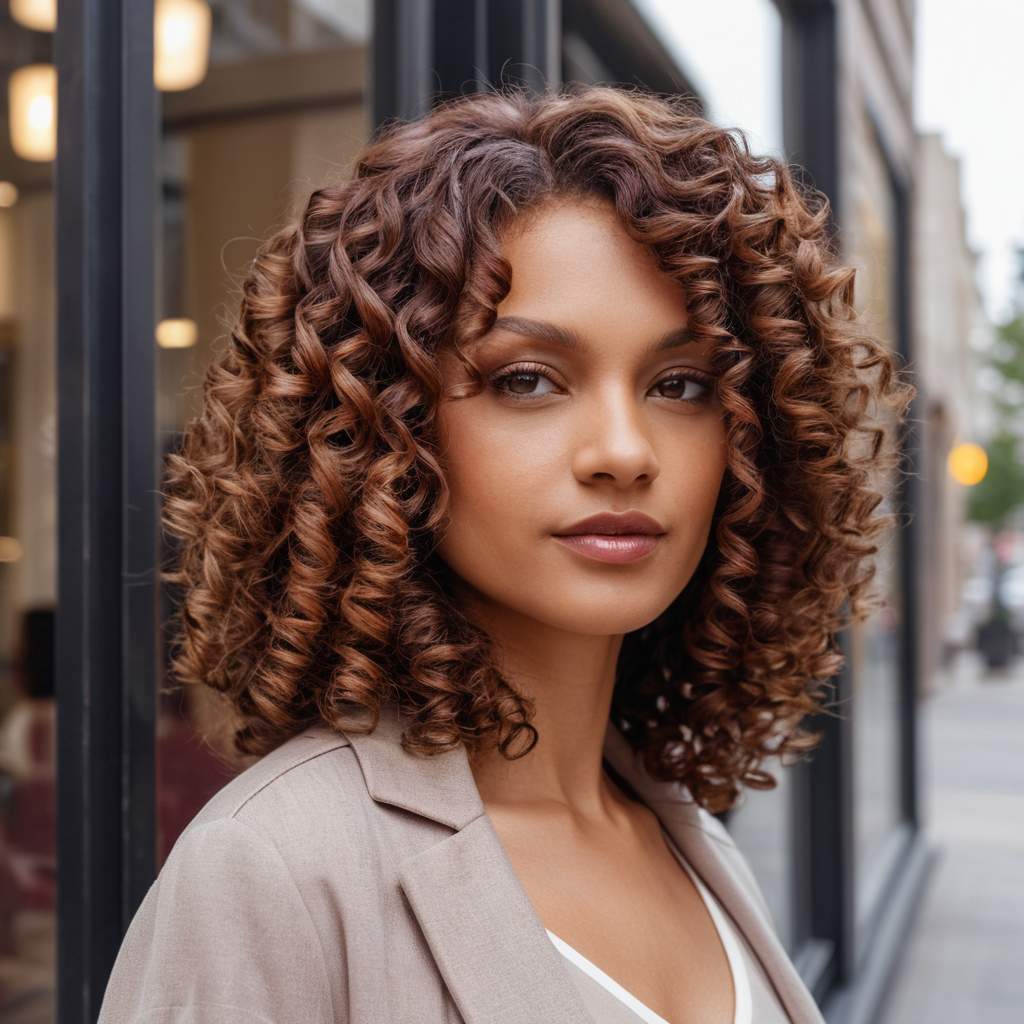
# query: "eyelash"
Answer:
x=705 y=380
x=504 y=375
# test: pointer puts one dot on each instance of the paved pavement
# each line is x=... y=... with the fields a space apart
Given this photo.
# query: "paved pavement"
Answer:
x=964 y=963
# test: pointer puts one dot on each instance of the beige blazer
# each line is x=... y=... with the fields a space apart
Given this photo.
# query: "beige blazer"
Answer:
x=342 y=881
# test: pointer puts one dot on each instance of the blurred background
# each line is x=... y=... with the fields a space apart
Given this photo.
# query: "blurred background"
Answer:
x=147 y=149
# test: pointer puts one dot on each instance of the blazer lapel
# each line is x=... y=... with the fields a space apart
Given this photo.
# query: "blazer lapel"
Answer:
x=490 y=946
x=487 y=940
x=721 y=868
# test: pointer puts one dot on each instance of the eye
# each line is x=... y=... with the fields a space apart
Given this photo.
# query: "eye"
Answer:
x=679 y=388
x=523 y=382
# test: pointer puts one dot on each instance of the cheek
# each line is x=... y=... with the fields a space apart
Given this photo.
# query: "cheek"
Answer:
x=497 y=480
x=692 y=470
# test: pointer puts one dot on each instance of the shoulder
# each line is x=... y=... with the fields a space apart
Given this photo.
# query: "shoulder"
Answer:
x=224 y=934
x=299 y=799
x=303 y=757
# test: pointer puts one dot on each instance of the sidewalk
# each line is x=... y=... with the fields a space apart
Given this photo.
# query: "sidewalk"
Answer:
x=964 y=962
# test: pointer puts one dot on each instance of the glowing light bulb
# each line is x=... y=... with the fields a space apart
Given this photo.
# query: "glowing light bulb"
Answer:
x=32 y=109
x=10 y=549
x=967 y=464
x=178 y=332
x=181 y=43
x=8 y=194
x=40 y=15
x=40 y=113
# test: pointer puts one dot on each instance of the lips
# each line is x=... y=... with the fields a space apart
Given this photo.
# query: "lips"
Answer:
x=613 y=536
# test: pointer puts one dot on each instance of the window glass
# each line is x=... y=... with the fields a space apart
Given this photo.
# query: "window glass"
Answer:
x=28 y=520
x=279 y=111
x=875 y=647
x=762 y=826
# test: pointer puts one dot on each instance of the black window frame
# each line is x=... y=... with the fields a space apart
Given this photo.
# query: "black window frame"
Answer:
x=107 y=481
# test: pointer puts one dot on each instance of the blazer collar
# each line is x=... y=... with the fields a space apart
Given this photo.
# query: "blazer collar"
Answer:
x=440 y=787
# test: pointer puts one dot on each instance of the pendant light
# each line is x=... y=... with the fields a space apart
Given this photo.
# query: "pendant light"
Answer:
x=40 y=15
x=32 y=111
x=177 y=332
x=181 y=43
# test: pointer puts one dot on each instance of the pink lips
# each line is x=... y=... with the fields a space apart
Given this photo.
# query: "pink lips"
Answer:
x=613 y=536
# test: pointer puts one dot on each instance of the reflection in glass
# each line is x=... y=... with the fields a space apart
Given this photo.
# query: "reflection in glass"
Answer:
x=280 y=112
x=28 y=556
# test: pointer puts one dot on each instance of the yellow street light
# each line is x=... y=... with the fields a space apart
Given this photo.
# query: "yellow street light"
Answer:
x=32 y=110
x=967 y=464
x=40 y=15
x=181 y=43
x=178 y=332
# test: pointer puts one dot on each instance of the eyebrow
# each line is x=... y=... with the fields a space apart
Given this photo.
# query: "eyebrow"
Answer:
x=567 y=338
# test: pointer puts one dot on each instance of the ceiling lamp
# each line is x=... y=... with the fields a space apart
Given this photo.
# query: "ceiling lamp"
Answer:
x=181 y=43
x=40 y=15
x=32 y=111
x=177 y=332
x=10 y=549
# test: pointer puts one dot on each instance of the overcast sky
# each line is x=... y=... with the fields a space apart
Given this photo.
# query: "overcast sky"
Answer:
x=970 y=88
x=731 y=51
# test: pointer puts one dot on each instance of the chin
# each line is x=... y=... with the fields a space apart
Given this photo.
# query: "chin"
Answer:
x=597 y=601
x=607 y=615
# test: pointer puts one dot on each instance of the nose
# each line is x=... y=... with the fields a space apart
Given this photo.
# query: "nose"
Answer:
x=614 y=446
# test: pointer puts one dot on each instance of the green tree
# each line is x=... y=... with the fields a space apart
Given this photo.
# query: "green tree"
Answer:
x=1001 y=493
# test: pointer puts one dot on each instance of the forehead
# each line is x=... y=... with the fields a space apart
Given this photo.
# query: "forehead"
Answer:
x=573 y=260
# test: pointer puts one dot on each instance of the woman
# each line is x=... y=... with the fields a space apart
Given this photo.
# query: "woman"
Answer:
x=516 y=529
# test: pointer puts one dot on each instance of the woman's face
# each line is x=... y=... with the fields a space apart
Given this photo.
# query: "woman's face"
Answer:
x=584 y=476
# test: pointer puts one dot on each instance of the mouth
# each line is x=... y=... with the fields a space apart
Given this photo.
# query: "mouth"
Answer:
x=613 y=536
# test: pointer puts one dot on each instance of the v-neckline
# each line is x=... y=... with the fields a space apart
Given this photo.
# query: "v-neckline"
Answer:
x=742 y=998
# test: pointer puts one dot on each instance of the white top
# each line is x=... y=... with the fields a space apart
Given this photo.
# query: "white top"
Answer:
x=768 y=1008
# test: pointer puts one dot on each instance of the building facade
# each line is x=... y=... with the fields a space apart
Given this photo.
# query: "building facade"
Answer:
x=119 y=262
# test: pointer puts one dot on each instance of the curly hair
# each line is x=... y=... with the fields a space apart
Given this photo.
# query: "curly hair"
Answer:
x=308 y=497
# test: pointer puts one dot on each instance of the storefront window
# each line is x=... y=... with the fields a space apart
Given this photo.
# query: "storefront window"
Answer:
x=28 y=530
x=876 y=643
x=279 y=112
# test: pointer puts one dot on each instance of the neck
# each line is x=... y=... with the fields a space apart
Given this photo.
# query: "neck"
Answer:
x=569 y=678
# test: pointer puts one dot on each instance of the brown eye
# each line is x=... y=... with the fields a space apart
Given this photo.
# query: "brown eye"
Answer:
x=684 y=389
x=524 y=383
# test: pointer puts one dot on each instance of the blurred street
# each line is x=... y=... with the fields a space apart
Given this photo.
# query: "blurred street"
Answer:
x=965 y=960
